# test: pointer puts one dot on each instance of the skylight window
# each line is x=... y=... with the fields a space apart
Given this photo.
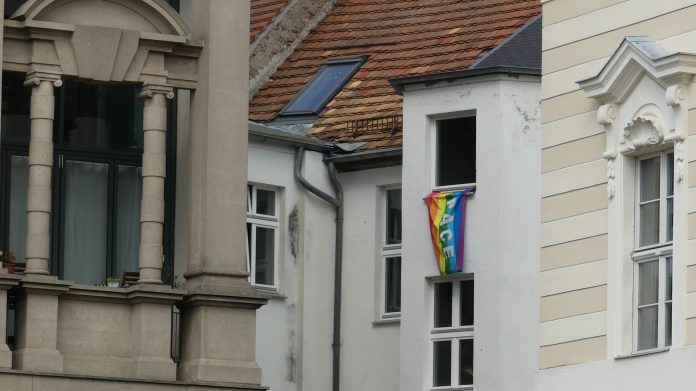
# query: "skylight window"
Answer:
x=322 y=88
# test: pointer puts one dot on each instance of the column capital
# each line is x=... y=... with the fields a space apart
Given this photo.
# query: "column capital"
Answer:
x=35 y=78
x=147 y=91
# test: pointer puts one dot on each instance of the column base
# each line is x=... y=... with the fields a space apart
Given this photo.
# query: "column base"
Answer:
x=38 y=360
x=5 y=356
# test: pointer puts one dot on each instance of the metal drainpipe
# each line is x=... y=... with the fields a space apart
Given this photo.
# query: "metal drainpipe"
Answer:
x=337 y=203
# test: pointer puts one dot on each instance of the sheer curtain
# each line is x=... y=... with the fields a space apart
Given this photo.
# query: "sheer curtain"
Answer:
x=19 y=176
x=85 y=222
x=129 y=189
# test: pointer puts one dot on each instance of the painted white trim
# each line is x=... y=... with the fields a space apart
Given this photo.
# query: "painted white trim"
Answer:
x=263 y=221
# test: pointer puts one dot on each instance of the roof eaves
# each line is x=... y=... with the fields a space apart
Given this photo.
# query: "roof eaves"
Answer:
x=264 y=133
x=430 y=79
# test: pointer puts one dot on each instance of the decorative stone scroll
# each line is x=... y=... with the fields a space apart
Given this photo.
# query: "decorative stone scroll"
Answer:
x=606 y=116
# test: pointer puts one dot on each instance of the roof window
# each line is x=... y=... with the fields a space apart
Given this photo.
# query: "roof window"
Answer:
x=322 y=87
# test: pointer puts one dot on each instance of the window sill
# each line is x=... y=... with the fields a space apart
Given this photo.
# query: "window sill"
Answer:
x=642 y=353
x=270 y=294
x=387 y=321
x=453 y=388
x=455 y=187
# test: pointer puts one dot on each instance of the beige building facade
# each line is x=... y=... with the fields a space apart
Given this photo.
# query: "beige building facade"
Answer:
x=77 y=76
x=618 y=280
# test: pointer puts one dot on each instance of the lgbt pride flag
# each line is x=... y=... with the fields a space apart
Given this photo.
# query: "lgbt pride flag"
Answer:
x=446 y=211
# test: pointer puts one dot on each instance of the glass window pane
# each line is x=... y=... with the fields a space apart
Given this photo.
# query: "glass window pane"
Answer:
x=102 y=117
x=456 y=151
x=327 y=81
x=648 y=277
x=442 y=363
x=668 y=282
x=466 y=361
x=650 y=179
x=265 y=202
x=443 y=304
x=670 y=219
x=129 y=189
x=85 y=222
x=668 y=324
x=394 y=216
x=467 y=303
x=393 y=284
x=649 y=223
x=14 y=117
x=19 y=177
x=670 y=174
x=647 y=327
x=265 y=253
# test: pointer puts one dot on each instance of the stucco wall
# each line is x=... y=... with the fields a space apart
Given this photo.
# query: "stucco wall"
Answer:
x=580 y=304
x=501 y=229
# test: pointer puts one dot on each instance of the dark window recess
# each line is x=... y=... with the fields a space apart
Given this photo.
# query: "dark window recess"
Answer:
x=467 y=303
x=393 y=287
x=323 y=86
x=466 y=361
x=456 y=151
x=442 y=363
x=11 y=6
x=443 y=304
x=394 y=216
x=15 y=109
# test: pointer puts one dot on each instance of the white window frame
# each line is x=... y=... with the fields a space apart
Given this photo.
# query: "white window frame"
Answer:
x=387 y=251
x=455 y=333
x=262 y=221
x=654 y=252
x=434 y=131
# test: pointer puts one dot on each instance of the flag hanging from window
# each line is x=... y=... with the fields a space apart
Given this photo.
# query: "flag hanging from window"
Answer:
x=446 y=212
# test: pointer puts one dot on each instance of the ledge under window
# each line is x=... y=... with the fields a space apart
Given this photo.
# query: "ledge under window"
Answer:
x=642 y=353
x=395 y=319
x=271 y=294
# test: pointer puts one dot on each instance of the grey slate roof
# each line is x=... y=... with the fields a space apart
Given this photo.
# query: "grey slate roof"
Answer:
x=520 y=50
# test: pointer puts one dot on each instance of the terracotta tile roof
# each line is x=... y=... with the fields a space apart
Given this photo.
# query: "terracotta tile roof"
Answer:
x=262 y=14
x=401 y=38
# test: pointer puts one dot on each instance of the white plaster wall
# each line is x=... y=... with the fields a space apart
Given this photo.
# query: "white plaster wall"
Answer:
x=502 y=229
x=294 y=330
x=370 y=348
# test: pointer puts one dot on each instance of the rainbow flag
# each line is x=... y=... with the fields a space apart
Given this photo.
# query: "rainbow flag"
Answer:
x=446 y=211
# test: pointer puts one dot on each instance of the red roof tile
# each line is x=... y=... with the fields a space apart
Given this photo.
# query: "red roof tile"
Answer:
x=262 y=14
x=401 y=38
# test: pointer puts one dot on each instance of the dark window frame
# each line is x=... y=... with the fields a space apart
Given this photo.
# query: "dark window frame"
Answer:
x=357 y=61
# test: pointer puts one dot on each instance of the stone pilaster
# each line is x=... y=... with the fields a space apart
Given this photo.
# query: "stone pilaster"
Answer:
x=219 y=311
x=36 y=331
x=40 y=171
x=154 y=173
x=7 y=281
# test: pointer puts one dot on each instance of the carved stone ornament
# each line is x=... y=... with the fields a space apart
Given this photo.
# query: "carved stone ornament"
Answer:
x=680 y=166
x=642 y=131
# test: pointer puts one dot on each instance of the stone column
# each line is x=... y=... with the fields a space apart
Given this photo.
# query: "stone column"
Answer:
x=219 y=311
x=154 y=173
x=40 y=171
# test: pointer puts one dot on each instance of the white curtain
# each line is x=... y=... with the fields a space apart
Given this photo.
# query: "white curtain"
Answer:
x=19 y=176
x=129 y=189
x=85 y=222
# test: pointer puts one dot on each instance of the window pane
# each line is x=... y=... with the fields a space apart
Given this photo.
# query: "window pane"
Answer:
x=670 y=219
x=265 y=252
x=11 y=6
x=443 y=304
x=265 y=202
x=670 y=174
x=648 y=277
x=647 y=327
x=394 y=216
x=19 y=177
x=442 y=363
x=129 y=190
x=103 y=117
x=15 y=108
x=668 y=282
x=466 y=361
x=85 y=222
x=456 y=151
x=467 y=303
x=668 y=324
x=650 y=223
x=322 y=87
x=393 y=284
x=650 y=179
